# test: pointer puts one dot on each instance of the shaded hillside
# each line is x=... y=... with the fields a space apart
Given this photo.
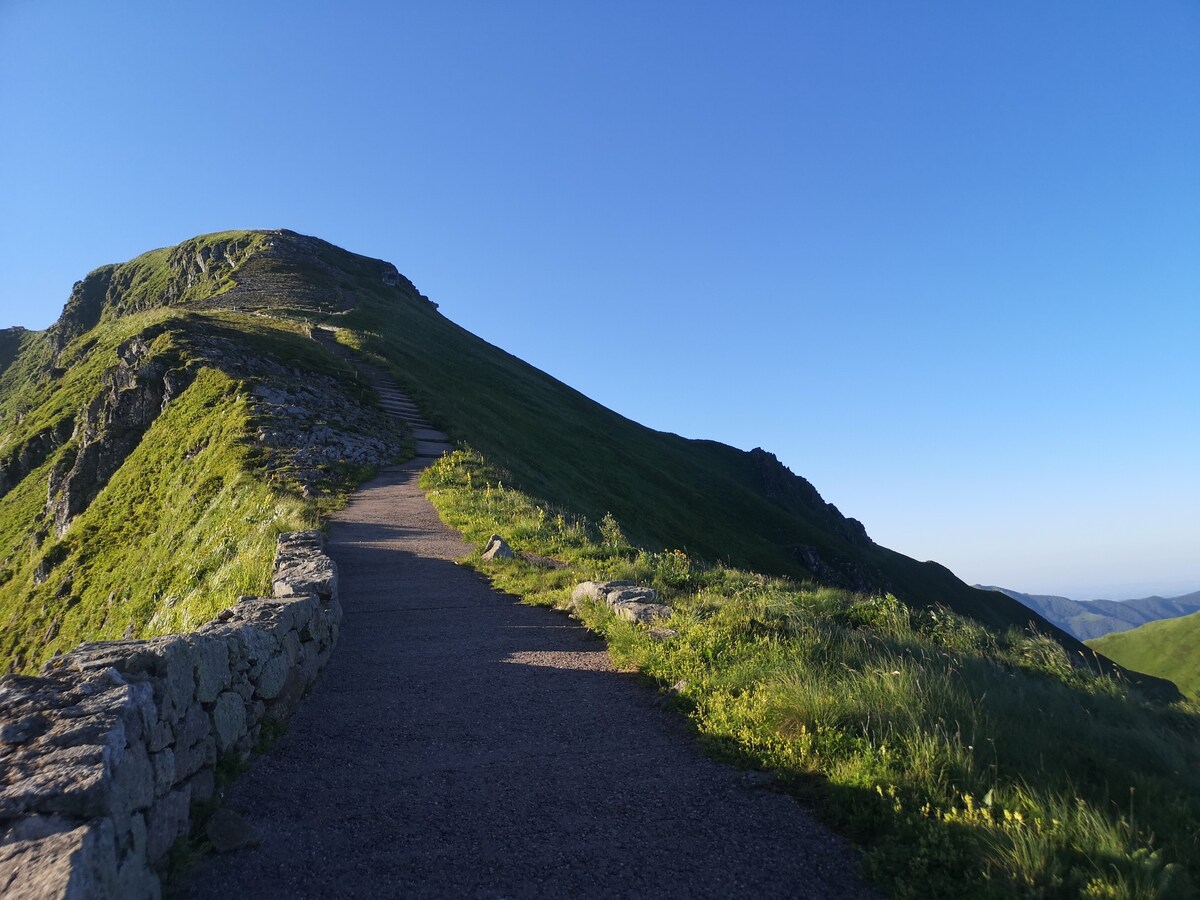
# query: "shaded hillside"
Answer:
x=10 y=344
x=704 y=497
x=1087 y=619
x=1168 y=649
x=81 y=398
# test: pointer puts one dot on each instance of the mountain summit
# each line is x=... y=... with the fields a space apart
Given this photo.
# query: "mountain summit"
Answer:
x=179 y=413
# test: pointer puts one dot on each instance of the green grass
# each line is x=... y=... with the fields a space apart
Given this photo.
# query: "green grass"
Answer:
x=181 y=530
x=188 y=522
x=197 y=269
x=1169 y=648
x=966 y=762
x=703 y=497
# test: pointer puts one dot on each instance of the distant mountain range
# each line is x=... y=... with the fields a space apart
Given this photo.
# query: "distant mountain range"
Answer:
x=1087 y=619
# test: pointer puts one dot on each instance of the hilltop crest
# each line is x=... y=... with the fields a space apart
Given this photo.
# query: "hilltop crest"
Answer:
x=244 y=270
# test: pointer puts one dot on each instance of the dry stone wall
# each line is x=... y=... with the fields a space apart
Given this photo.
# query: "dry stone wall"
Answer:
x=104 y=753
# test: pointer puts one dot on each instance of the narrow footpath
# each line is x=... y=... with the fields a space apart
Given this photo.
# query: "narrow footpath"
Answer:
x=460 y=744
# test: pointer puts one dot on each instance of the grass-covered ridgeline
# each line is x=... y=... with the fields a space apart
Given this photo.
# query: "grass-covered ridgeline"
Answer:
x=706 y=498
x=1169 y=648
x=967 y=762
x=188 y=521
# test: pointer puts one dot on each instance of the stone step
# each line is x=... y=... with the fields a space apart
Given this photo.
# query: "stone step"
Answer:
x=430 y=443
x=430 y=434
x=432 y=449
x=413 y=421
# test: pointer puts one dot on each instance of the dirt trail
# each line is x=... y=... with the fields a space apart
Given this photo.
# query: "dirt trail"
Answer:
x=462 y=745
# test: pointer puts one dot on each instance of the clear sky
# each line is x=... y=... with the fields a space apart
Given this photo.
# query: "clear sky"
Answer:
x=942 y=258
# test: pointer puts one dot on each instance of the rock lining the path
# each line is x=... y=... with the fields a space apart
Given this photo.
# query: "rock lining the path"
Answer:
x=103 y=753
x=628 y=600
x=497 y=548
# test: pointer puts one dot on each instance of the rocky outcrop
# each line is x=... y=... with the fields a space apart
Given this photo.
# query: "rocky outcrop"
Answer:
x=626 y=599
x=193 y=263
x=11 y=341
x=84 y=307
x=103 y=755
x=308 y=427
x=781 y=485
x=20 y=461
x=839 y=571
x=133 y=395
x=308 y=424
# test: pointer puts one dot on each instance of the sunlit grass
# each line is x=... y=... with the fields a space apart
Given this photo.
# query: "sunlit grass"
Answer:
x=966 y=762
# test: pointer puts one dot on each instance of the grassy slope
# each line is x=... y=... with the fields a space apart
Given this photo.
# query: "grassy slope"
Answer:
x=699 y=496
x=703 y=497
x=188 y=522
x=903 y=722
x=1169 y=649
x=181 y=529
x=969 y=763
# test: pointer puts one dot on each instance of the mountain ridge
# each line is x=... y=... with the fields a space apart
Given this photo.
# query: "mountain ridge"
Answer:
x=1088 y=619
x=709 y=499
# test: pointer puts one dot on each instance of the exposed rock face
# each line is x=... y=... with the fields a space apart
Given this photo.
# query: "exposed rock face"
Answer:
x=626 y=599
x=780 y=484
x=307 y=423
x=307 y=428
x=191 y=263
x=22 y=460
x=84 y=307
x=837 y=571
x=11 y=340
x=102 y=755
x=133 y=395
x=197 y=267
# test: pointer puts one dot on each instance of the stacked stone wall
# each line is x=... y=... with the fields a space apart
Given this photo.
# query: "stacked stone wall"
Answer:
x=105 y=753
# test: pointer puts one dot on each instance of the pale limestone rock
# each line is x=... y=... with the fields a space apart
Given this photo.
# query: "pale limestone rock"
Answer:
x=645 y=613
x=497 y=548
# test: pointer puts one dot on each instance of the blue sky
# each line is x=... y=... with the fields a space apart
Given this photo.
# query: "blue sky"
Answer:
x=942 y=258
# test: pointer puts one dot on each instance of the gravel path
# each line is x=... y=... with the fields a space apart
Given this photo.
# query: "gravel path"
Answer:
x=460 y=744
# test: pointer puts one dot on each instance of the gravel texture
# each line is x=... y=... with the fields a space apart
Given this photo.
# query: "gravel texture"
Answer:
x=460 y=744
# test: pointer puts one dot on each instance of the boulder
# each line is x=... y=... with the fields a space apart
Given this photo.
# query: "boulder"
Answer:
x=497 y=549
x=626 y=599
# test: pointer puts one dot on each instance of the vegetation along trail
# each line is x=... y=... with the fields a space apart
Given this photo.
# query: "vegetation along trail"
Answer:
x=462 y=744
